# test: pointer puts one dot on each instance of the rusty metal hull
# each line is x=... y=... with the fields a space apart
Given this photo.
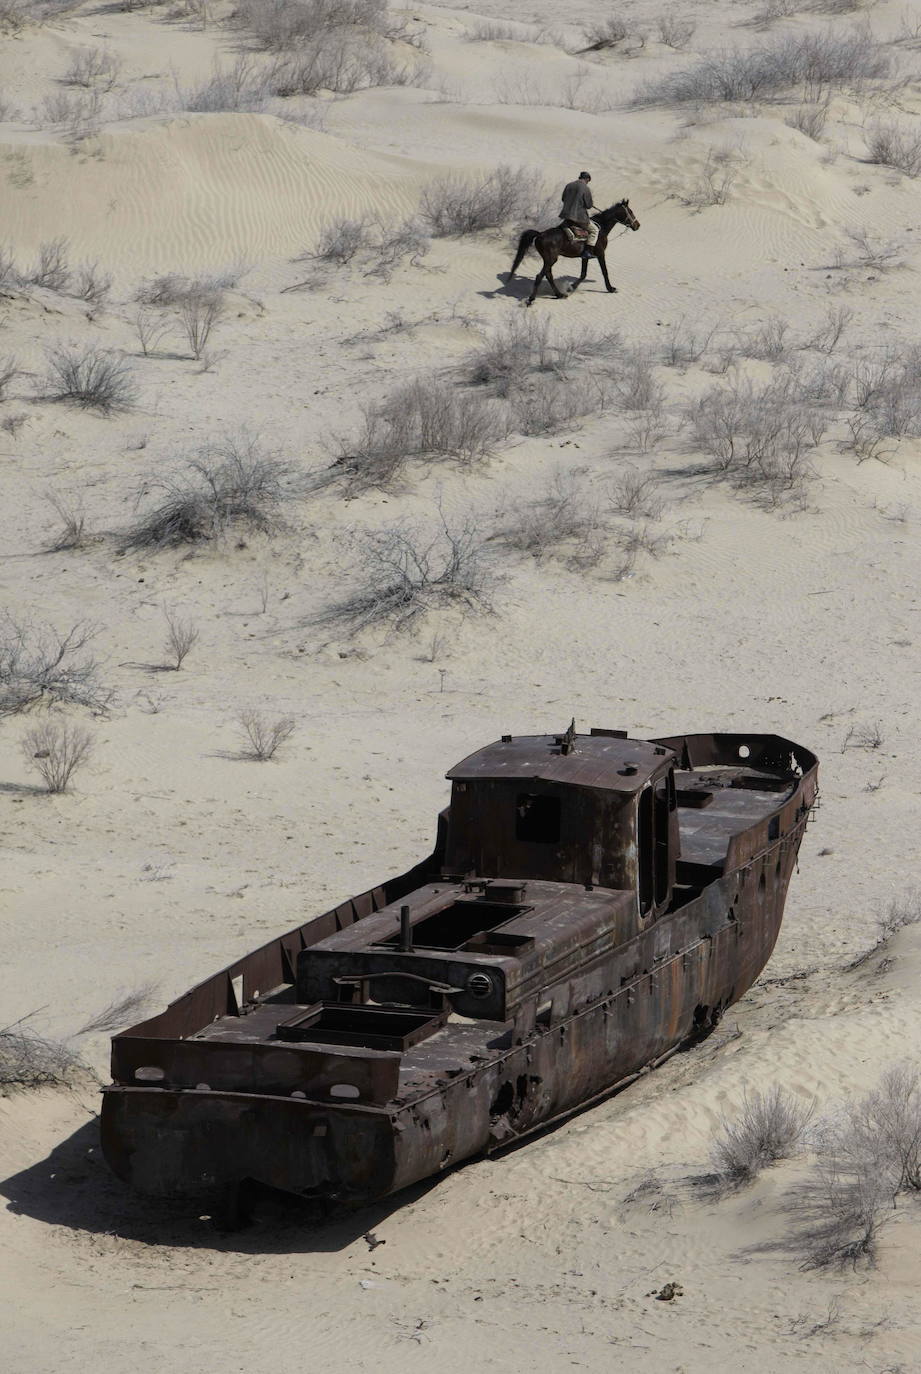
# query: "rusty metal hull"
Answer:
x=473 y=1085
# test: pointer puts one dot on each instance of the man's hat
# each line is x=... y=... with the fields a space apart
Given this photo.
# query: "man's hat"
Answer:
x=585 y=176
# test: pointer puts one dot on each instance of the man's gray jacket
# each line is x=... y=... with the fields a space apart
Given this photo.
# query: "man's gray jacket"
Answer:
x=577 y=201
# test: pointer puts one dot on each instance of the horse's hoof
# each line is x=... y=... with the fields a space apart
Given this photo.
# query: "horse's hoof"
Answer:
x=611 y=290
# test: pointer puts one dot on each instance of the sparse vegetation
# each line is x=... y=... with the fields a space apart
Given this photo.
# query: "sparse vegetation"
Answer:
x=181 y=638
x=55 y=750
x=96 y=67
x=90 y=378
x=229 y=484
x=72 y=517
x=41 y=664
x=262 y=736
x=199 y=311
x=769 y=1126
x=377 y=247
x=896 y=144
x=814 y=63
x=426 y=418
x=404 y=572
x=675 y=30
x=563 y=520
x=29 y=1060
x=462 y=205
x=865 y=1157
x=51 y=271
x=120 y=1012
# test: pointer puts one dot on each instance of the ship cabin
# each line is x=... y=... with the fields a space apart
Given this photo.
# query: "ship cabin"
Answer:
x=557 y=850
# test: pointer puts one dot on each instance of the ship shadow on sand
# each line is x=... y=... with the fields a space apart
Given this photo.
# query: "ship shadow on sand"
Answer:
x=73 y=1187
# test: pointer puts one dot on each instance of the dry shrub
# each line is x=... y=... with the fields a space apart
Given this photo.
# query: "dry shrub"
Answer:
x=122 y=1011
x=463 y=205
x=247 y=85
x=91 y=284
x=262 y=736
x=232 y=483
x=404 y=572
x=813 y=62
x=55 y=750
x=770 y=1126
x=29 y=1060
x=675 y=30
x=9 y=370
x=561 y=521
x=635 y=496
x=896 y=144
x=867 y=1156
x=72 y=516
x=343 y=62
x=51 y=271
x=93 y=67
x=377 y=246
x=426 y=418
x=41 y=664
x=713 y=183
x=181 y=638
x=809 y=119
x=279 y=25
x=90 y=378
x=760 y=437
x=199 y=311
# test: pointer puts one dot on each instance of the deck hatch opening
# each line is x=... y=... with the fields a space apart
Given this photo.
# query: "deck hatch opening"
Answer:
x=455 y=925
x=344 y=1023
x=537 y=818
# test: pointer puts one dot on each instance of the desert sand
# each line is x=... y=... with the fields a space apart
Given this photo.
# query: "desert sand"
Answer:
x=742 y=604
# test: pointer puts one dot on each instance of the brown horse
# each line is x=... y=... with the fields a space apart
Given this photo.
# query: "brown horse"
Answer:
x=556 y=243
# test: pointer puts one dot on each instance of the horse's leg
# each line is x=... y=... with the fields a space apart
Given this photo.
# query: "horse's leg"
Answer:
x=548 y=272
x=604 y=269
x=578 y=283
x=537 y=281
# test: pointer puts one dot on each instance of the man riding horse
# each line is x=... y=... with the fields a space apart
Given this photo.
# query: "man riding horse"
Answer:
x=577 y=202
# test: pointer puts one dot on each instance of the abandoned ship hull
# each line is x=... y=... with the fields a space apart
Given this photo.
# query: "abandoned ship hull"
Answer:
x=195 y=1106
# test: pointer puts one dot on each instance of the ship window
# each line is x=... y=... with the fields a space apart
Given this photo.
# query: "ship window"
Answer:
x=537 y=818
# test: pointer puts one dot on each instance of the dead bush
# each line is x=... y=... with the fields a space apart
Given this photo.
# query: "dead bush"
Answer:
x=51 y=271
x=635 y=496
x=72 y=517
x=41 y=664
x=181 y=638
x=561 y=521
x=685 y=344
x=29 y=1060
x=151 y=330
x=97 y=67
x=247 y=85
x=760 y=437
x=378 y=247
x=770 y=1126
x=813 y=62
x=463 y=205
x=343 y=62
x=553 y=404
x=230 y=484
x=829 y=335
x=55 y=750
x=122 y=1011
x=90 y=378
x=90 y=284
x=279 y=25
x=9 y=370
x=767 y=341
x=809 y=119
x=895 y=144
x=899 y=913
x=714 y=181
x=404 y=572
x=867 y=1155
x=426 y=418
x=199 y=311
x=675 y=30
x=264 y=737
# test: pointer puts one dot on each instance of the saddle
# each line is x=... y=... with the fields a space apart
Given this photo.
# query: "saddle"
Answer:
x=576 y=233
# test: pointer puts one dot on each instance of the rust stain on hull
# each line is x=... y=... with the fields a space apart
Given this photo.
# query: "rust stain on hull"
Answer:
x=592 y=902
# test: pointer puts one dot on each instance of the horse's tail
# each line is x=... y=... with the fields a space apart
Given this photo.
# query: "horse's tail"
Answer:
x=524 y=243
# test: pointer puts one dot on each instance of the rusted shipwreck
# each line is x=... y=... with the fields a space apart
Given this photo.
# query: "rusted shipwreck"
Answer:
x=592 y=902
